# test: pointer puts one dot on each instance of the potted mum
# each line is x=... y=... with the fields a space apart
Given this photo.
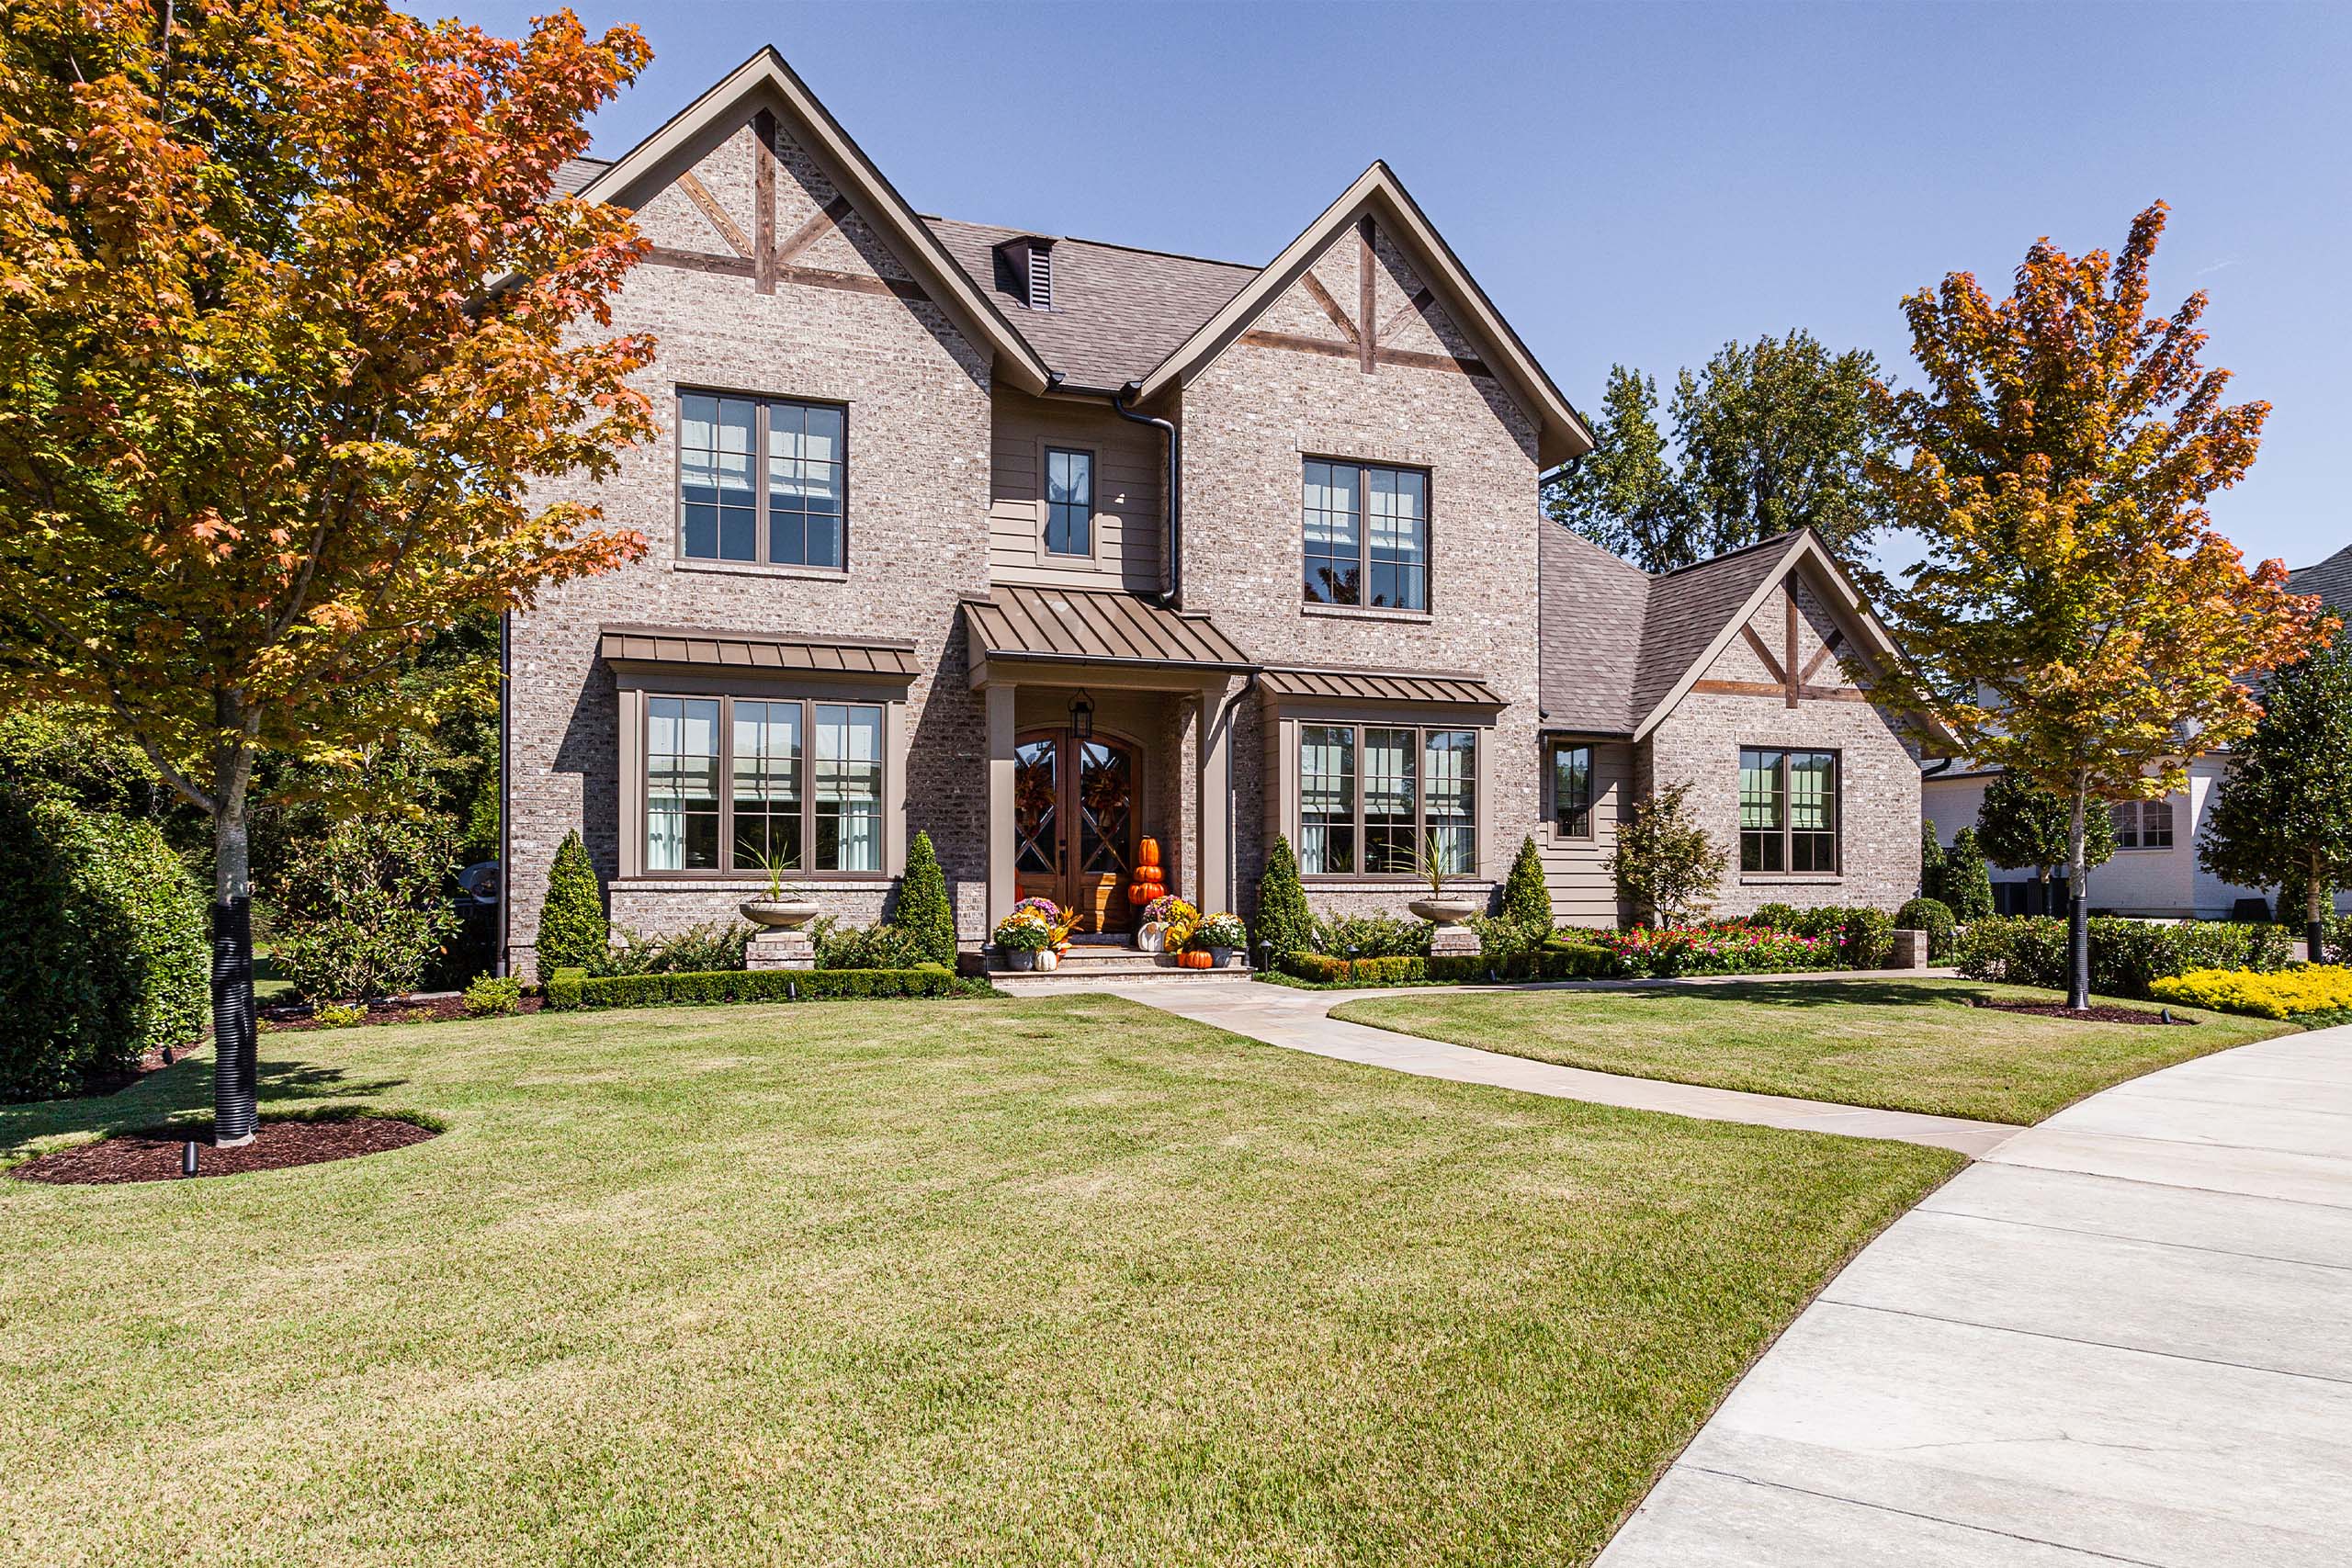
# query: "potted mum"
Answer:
x=1151 y=935
x=1021 y=936
x=785 y=906
x=1219 y=936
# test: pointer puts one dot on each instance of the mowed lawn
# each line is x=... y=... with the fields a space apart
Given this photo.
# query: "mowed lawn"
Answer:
x=1901 y=1045
x=1062 y=1280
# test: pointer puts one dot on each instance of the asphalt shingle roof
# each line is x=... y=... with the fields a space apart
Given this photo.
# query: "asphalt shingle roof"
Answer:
x=2331 y=580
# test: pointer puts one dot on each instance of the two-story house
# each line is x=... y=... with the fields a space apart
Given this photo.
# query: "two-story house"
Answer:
x=1044 y=545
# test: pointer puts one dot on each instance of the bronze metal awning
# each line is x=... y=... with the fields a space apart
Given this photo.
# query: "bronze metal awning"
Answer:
x=756 y=651
x=1090 y=627
x=1379 y=686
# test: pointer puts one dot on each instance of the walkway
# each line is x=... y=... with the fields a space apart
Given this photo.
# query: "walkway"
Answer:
x=1280 y=1015
x=2121 y=1338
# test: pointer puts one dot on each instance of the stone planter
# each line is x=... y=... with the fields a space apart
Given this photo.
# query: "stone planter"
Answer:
x=1221 y=957
x=778 y=914
x=1151 y=936
x=1021 y=959
x=1446 y=911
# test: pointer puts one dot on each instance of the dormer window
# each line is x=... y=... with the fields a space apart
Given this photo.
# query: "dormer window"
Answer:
x=1028 y=265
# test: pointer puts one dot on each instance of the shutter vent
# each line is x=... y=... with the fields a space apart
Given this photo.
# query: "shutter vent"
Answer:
x=1041 y=274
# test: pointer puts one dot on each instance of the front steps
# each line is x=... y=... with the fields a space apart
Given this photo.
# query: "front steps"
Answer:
x=1095 y=962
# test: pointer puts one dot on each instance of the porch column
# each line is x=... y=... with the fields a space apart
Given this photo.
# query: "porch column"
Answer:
x=1216 y=783
x=1001 y=764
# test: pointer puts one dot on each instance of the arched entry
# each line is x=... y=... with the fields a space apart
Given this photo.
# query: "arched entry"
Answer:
x=1074 y=823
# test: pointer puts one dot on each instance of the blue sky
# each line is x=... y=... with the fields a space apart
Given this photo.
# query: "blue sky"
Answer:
x=1642 y=182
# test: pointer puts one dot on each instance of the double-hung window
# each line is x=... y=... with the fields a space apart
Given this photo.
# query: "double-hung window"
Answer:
x=1069 y=502
x=2142 y=824
x=1572 y=791
x=1367 y=535
x=1788 y=811
x=763 y=480
x=1378 y=799
x=802 y=784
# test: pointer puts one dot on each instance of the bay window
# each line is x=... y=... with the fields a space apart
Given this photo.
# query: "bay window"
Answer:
x=1379 y=800
x=803 y=784
x=1788 y=811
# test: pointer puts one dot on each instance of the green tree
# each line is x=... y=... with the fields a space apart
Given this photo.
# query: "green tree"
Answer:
x=2283 y=817
x=2022 y=826
x=1620 y=494
x=1527 y=899
x=1967 y=886
x=1665 y=864
x=1284 y=922
x=573 y=930
x=924 y=913
x=1931 y=862
x=364 y=910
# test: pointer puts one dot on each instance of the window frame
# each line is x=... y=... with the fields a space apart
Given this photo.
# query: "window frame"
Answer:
x=807 y=770
x=1359 y=774
x=1045 y=552
x=2138 y=829
x=1787 y=832
x=761 y=559
x=1590 y=831
x=1364 y=469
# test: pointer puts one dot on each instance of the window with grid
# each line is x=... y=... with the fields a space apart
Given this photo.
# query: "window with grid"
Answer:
x=1401 y=792
x=1069 y=502
x=804 y=785
x=2142 y=824
x=1572 y=791
x=1788 y=811
x=1366 y=536
x=762 y=480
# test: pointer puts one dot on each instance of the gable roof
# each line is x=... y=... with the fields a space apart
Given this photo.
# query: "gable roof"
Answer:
x=765 y=81
x=1561 y=432
x=2331 y=580
x=1693 y=615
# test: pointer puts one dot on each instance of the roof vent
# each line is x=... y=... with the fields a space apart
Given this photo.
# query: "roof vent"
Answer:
x=1025 y=267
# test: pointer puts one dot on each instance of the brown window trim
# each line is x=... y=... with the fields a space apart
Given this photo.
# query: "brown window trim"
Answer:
x=1045 y=552
x=1837 y=871
x=727 y=701
x=1591 y=787
x=1363 y=467
x=760 y=560
x=1421 y=799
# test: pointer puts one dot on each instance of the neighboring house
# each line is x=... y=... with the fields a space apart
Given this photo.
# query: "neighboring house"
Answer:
x=2155 y=873
x=1042 y=545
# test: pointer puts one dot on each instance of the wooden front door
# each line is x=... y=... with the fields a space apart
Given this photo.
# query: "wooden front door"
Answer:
x=1074 y=824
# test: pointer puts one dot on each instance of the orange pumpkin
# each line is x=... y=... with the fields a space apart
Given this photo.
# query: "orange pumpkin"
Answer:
x=1192 y=959
x=1148 y=855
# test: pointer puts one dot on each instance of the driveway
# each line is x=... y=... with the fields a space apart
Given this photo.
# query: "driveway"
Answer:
x=2124 y=1337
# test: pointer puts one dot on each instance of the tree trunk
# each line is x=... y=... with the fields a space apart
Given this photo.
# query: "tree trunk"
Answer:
x=235 y=1038
x=2315 y=913
x=2078 y=907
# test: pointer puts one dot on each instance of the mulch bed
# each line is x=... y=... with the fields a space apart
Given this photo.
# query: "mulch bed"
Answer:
x=278 y=1144
x=2086 y=1015
x=425 y=1009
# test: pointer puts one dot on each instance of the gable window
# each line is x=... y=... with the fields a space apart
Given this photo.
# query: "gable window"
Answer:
x=803 y=784
x=1788 y=811
x=1374 y=799
x=2141 y=824
x=763 y=480
x=1367 y=535
x=1572 y=791
x=1069 y=502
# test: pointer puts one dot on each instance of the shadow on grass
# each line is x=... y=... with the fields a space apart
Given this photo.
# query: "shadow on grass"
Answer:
x=181 y=1093
x=1817 y=993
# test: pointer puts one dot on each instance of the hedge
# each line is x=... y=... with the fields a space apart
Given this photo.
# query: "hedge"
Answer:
x=2284 y=994
x=2126 y=957
x=1561 y=961
x=570 y=989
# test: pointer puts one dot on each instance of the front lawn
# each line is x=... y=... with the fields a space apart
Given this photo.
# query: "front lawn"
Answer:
x=1900 y=1044
x=893 y=1282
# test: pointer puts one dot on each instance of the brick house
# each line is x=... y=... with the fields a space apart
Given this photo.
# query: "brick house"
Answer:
x=1043 y=545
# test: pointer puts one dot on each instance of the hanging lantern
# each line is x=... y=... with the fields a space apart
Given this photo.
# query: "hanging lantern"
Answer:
x=1081 y=716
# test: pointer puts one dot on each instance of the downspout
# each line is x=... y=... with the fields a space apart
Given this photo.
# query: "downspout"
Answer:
x=505 y=802
x=1173 y=594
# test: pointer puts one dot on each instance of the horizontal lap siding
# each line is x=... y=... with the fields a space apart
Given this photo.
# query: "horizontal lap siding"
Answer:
x=1584 y=892
x=1129 y=482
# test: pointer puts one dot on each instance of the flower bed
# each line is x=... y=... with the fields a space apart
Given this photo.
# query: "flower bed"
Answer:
x=1725 y=949
x=2281 y=994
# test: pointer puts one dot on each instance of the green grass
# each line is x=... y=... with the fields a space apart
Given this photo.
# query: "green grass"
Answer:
x=1062 y=1280
x=1900 y=1044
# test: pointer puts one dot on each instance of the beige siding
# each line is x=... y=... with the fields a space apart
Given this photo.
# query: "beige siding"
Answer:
x=1584 y=891
x=1130 y=465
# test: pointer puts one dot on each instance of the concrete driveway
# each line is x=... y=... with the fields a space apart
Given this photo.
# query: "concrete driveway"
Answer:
x=2124 y=1337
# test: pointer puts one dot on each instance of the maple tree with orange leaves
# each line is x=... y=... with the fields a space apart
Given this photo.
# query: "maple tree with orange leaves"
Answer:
x=2076 y=620
x=292 y=322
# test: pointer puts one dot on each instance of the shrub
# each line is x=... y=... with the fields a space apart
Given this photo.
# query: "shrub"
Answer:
x=1931 y=862
x=1967 y=884
x=1284 y=923
x=755 y=986
x=1665 y=864
x=362 y=909
x=1526 y=899
x=339 y=1015
x=1501 y=937
x=1932 y=916
x=493 y=997
x=562 y=988
x=2126 y=957
x=1865 y=938
x=106 y=955
x=1373 y=936
x=924 y=915
x=1775 y=917
x=574 y=932
x=1731 y=948
x=2230 y=944
x=885 y=946
x=2015 y=950
x=2290 y=993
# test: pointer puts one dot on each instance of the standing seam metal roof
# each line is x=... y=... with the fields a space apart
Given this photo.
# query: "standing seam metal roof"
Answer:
x=1016 y=622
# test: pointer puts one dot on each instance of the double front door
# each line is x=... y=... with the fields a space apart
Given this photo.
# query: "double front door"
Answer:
x=1074 y=824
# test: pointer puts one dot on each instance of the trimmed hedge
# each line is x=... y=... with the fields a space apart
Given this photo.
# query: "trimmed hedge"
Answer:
x=572 y=988
x=1563 y=961
x=2126 y=957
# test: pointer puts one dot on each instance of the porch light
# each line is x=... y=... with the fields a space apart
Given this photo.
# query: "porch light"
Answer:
x=1081 y=716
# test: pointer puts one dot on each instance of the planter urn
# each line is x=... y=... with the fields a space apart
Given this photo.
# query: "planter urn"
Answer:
x=778 y=914
x=1446 y=911
x=1220 y=958
x=1021 y=959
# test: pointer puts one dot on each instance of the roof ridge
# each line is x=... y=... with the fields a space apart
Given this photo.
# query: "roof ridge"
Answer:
x=1082 y=240
x=1779 y=538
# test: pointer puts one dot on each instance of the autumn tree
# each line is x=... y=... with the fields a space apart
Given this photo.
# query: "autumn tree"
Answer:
x=291 y=322
x=2076 y=621
x=2022 y=826
x=2283 y=817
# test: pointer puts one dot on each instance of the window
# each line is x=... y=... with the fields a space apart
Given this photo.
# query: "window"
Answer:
x=1367 y=535
x=1788 y=811
x=1374 y=799
x=804 y=785
x=1572 y=791
x=1069 y=502
x=787 y=509
x=2142 y=824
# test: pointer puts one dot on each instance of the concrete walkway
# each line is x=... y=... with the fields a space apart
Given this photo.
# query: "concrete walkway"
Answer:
x=2123 y=1338
x=1280 y=1015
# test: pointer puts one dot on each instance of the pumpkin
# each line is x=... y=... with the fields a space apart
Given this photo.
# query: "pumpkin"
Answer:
x=1148 y=855
x=1194 y=960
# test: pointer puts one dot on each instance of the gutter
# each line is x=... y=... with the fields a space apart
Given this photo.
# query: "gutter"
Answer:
x=1172 y=595
x=505 y=794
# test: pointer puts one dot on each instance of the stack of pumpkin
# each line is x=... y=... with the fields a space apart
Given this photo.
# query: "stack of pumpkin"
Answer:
x=1150 y=880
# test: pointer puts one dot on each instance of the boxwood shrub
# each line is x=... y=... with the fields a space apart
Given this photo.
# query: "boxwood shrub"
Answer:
x=568 y=988
x=2126 y=957
x=1558 y=961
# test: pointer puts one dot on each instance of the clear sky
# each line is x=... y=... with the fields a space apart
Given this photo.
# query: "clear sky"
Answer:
x=1641 y=183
